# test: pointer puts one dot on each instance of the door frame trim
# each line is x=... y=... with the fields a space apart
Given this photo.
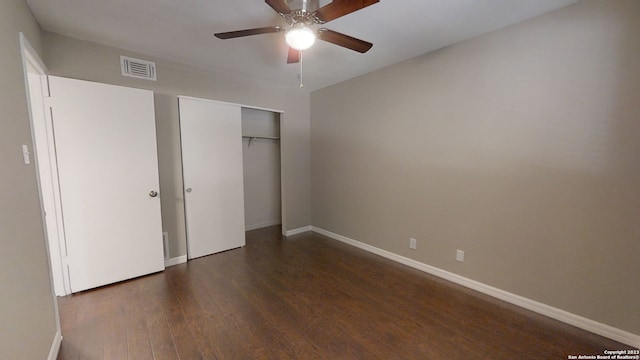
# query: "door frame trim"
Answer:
x=56 y=246
x=31 y=58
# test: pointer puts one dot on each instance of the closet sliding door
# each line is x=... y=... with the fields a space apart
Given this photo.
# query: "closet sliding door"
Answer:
x=211 y=135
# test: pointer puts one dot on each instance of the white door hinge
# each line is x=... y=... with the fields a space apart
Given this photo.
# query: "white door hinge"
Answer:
x=48 y=101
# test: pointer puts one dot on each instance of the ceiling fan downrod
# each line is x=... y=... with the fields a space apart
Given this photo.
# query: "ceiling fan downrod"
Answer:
x=307 y=6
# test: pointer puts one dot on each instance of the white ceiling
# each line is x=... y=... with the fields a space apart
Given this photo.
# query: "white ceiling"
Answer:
x=182 y=31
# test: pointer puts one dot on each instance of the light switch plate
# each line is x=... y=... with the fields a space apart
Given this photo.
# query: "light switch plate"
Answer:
x=25 y=154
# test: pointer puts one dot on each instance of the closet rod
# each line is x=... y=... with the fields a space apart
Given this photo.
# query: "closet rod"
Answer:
x=253 y=138
x=261 y=137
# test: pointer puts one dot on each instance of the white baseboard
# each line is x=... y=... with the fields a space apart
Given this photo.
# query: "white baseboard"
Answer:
x=175 y=261
x=540 y=308
x=262 y=224
x=55 y=346
x=297 y=231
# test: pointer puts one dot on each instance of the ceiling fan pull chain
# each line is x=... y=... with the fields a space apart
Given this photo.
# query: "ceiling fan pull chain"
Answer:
x=301 y=76
x=301 y=80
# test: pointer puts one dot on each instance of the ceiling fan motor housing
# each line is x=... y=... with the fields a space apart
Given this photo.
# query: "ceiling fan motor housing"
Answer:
x=307 y=6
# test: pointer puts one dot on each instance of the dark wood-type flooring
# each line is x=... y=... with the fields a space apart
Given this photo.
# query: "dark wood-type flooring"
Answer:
x=306 y=297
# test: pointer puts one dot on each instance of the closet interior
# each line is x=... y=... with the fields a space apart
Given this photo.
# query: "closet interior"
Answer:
x=261 y=168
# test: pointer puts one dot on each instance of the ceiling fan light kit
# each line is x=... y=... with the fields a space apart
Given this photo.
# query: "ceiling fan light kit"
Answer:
x=300 y=37
x=301 y=16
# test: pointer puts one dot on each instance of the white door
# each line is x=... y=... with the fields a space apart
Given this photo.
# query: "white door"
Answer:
x=108 y=172
x=211 y=134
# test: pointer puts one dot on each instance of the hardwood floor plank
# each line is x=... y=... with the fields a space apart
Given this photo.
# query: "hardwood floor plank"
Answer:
x=182 y=320
x=138 y=342
x=93 y=345
x=115 y=340
x=182 y=336
x=306 y=297
x=162 y=345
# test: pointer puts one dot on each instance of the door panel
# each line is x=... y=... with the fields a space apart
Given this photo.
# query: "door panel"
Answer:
x=211 y=134
x=107 y=162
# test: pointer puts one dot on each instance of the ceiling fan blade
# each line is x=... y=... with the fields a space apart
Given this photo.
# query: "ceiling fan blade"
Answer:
x=343 y=40
x=294 y=56
x=279 y=6
x=248 y=32
x=339 y=8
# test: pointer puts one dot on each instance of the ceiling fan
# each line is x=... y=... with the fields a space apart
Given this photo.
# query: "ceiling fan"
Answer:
x=301 y=15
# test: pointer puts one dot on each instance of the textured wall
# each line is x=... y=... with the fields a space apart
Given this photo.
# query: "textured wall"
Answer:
x=519 y=147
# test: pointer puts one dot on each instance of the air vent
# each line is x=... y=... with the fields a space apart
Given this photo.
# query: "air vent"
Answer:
x=139 y=69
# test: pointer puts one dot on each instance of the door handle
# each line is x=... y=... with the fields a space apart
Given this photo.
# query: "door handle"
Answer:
x=153 y=193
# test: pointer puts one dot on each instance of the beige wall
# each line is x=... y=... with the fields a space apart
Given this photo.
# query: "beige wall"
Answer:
x=519 y=147
x=27 y=316
x=78 y=59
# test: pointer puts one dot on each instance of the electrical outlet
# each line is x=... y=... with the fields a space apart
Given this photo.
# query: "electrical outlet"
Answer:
x=460 y=255
x=412 y=243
